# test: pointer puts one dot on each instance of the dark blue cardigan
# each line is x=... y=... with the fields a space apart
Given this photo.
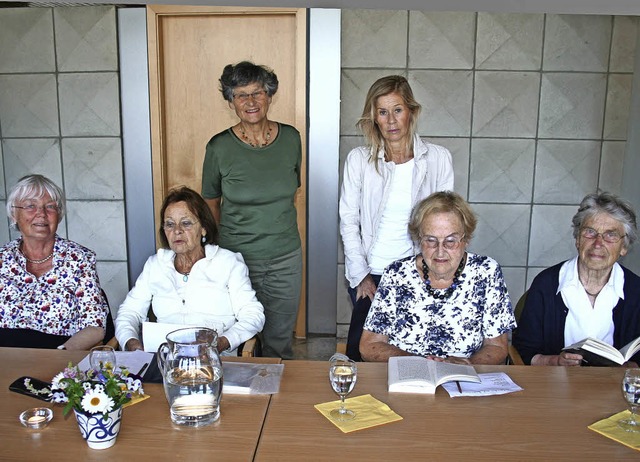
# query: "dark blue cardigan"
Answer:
x=541 y=325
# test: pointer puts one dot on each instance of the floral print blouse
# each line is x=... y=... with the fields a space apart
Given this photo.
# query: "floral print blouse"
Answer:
x=418 y=323
x=63 y=301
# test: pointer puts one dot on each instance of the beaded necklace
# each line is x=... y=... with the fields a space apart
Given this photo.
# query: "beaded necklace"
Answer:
x=449 y=290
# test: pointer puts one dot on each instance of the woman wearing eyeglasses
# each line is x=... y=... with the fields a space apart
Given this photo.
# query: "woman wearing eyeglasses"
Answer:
x=191 y=281
x=50 y=296
x=444 y=303
x=250 y=177
x=591 y=295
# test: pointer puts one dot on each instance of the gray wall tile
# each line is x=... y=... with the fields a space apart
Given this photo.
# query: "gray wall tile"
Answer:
x=577 y=43
x=506 y=104
x=441 y=40
x=354 y=85
x=616 y=117
x=26 y=40
x=623 y=47
x=89 y=104
x=501 y=170
x=25 y=156
x=551 y=235
x=371 y=38
x=98 y=225
x=343 y=300
x=509 y=41
x=532 y=272
x=571 y=105
x=611 y=166
x=4 y=223
x=515 y=279
x=93 y=168
x=28 y=105
x=114 y=281
x=459 y=149
x=446 y=102
x=502 y=232
x=566 y=170
x=86 y=38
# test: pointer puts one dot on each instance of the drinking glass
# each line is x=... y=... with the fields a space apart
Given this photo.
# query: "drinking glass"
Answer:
x=102 y=357
x=631 y=393
x=343 y=375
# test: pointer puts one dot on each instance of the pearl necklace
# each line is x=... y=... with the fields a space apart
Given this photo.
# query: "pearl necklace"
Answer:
x=449 y=291
x=245 y=138
x=37 y=262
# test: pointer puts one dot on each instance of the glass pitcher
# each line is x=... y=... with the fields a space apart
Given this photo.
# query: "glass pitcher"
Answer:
x=192 y=375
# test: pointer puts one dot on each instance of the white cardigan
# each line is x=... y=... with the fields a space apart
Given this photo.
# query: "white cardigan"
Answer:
x=365 y=193
x=218 y=295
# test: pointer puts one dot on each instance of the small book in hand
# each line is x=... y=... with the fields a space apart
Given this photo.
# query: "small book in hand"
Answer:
x=414 y=374
x=598 y=353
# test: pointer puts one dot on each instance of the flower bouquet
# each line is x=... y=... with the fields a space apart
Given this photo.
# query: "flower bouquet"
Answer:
x=96 y=397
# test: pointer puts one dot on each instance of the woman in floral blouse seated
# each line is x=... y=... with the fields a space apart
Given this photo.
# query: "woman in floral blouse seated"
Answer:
x=50 y=296
x=445 y=303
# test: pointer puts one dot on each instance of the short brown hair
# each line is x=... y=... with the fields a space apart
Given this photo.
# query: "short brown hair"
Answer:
x=197 y=206
x=442 y=202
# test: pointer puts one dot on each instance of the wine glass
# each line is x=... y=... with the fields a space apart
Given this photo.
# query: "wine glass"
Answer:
x=343 y=375
x=631 y=393
x=102 y=357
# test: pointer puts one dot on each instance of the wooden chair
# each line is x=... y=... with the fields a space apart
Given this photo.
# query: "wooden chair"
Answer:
x=513 y=357
x=251 y=348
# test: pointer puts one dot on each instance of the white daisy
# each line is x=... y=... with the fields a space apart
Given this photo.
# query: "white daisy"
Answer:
x=97 y=401
x=56 y=383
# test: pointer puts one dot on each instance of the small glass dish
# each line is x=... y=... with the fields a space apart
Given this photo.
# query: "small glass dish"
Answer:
x=36 y=418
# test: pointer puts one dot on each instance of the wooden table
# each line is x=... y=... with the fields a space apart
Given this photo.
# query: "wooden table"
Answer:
x=146 y=432
x=546 y=421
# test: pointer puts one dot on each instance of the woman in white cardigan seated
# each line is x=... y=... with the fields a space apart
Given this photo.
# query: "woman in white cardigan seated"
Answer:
x=191 y=281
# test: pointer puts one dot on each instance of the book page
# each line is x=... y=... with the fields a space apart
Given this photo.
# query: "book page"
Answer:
x=630 y=349
x=494 y=383
x=155 y=333
x=446 y=372
x=415 y=369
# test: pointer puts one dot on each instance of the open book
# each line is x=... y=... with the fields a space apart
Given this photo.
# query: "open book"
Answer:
x=598 y=353
x=414 y=374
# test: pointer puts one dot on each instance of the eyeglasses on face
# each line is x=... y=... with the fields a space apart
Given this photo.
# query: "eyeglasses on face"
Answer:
x=612 y=237
x=244 y=97
x=33 y=208
x=170 y=226
x=449 y=242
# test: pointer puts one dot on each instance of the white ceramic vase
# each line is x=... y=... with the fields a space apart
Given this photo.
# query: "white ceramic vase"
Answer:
x=98 y=432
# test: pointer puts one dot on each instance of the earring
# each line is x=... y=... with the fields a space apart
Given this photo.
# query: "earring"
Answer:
x=204 y=239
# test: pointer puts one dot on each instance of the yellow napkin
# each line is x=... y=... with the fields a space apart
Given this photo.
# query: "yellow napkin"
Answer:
x=369 y=413
x=135 y=399
x=609 y=428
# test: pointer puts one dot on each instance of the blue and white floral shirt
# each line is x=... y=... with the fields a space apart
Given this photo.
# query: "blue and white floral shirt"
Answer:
x=416 y=322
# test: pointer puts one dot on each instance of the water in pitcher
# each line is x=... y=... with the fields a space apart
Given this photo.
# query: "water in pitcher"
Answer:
x=194 y=394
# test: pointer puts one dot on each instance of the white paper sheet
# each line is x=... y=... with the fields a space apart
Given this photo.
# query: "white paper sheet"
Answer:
x=134 y=361
x=155 y=333
x=494 y=383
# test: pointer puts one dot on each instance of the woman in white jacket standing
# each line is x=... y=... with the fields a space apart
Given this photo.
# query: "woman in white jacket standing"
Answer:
x=382 y=182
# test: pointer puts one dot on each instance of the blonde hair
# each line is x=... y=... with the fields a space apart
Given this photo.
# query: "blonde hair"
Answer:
x=442 y=202
x=382 y=87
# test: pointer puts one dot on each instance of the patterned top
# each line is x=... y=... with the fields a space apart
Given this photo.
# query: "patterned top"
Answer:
x=417 y=323
x=63 y=301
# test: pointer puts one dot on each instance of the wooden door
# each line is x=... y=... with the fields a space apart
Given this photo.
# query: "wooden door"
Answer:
x=188 y=48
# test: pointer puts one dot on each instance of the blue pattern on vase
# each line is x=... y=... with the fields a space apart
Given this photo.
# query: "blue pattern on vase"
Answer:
x=98 y=432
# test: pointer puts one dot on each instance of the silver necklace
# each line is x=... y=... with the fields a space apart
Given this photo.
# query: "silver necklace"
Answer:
x=37 y=262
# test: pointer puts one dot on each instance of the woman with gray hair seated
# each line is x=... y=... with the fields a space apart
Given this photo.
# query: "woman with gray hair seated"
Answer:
x=590 y=295
x=445 y=303
x=50 y=296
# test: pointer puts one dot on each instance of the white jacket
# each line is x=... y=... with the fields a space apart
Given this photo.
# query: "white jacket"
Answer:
x=365 y=193
x=218 y=295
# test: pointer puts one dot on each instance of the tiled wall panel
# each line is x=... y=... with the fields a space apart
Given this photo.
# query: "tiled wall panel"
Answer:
x=60 y=116
x=533 y=107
